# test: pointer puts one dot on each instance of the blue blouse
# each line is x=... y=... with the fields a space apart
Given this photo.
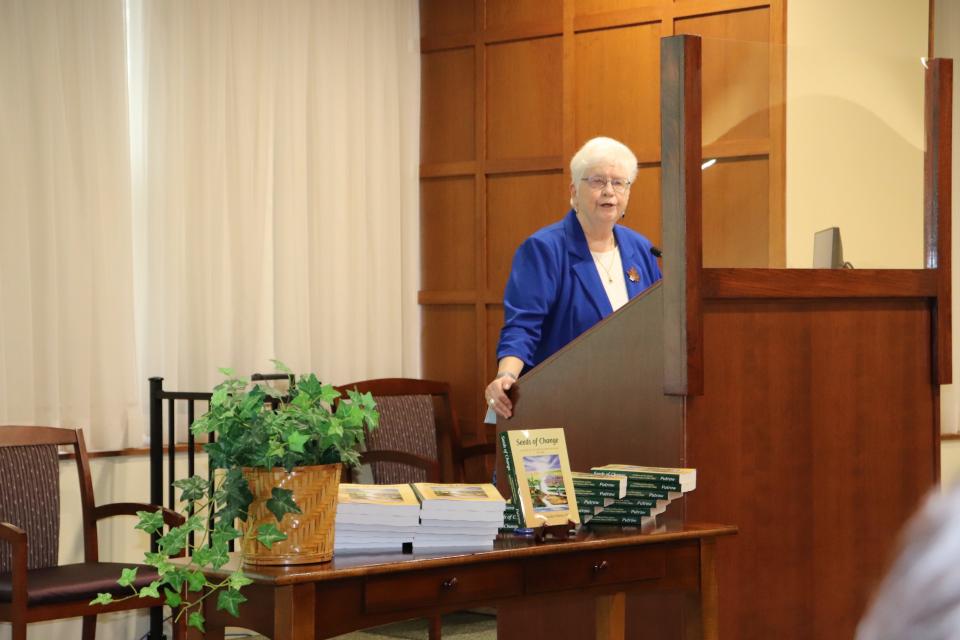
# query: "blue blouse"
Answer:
x=554 y=292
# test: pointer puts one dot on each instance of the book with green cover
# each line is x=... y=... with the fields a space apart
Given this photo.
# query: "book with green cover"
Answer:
x=667 y=478
x=620 y=521
x=592 y=482
x=538 y=471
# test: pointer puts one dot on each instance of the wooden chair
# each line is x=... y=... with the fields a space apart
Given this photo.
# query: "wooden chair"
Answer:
x=418 y=439
x=33 y=585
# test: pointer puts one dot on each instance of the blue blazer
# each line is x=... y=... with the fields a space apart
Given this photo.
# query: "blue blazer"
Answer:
x=554 y=292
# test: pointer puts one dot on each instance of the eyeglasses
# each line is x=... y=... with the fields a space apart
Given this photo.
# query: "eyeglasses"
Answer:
x=599 y=182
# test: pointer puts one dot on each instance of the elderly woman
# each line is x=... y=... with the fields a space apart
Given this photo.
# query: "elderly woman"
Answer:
x=568 y=276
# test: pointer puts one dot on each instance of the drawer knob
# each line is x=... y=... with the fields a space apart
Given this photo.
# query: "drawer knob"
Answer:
x=600 y=566
x=449 y=583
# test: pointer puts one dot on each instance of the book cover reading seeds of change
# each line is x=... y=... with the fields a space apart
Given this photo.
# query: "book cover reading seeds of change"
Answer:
x=538 y=470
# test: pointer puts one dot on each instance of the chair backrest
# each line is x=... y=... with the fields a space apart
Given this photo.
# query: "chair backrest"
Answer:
x=416 y=417
x=30 y=491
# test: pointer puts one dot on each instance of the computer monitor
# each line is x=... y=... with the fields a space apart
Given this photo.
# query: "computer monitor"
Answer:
x=827 y=249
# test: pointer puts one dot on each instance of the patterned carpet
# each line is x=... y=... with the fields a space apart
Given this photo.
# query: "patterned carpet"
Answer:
x=456 y=626
x=462 y=625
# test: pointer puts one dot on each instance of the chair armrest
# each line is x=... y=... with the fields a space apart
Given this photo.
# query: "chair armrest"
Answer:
x=475 y=450
x=170 y=518
x=17 y=538
x=432 y=467
x=14 y=535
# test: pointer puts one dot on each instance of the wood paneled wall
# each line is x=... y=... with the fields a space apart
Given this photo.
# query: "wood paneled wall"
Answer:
x=512 y=88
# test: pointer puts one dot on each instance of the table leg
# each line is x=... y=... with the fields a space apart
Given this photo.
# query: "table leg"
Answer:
x=294 y=613
x=702 y=620
x=611 y=616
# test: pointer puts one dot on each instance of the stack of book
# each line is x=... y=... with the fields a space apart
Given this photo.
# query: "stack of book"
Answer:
x=374 y=517
x=458 y=515
x=629 y=495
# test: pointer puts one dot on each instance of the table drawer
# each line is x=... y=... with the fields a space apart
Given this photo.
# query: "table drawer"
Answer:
x=442 y=586
x=579 y=570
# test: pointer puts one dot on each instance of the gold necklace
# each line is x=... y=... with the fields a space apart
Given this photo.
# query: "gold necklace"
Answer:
x=606 y=269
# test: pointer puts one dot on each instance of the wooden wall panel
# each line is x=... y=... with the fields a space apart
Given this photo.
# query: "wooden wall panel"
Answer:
x=735 y=213
x=736 y=73
x=518 y=205
x=446 y=17
x=524 y=99
x=784 y=388
x=507 y=14
x=643 y=213
x=446 y=110
x=614 y=99
x=586 y=7
x=448 y=243
x=449 y=335
x=494 y=324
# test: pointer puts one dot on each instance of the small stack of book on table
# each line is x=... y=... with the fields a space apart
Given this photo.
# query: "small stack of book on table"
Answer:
x=629 y=495
x=458 y=515
x=374 y=517
x=385 y=518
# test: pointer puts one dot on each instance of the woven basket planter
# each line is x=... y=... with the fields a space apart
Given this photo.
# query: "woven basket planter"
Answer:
x=309 y=534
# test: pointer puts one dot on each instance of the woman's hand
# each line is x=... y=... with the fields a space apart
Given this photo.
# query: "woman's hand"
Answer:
x=496 y=392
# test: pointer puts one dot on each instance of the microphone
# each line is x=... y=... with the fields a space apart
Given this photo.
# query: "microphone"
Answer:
x=656 y=252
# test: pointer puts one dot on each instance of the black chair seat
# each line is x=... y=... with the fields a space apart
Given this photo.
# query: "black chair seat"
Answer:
x=75 y=582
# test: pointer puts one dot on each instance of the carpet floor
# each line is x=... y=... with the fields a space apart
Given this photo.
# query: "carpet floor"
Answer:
x=462 y=625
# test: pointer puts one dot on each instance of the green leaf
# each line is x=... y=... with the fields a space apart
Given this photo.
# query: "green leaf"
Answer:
x=192 y=488
x=152 y=590
x=150 y=521
x=327 y=393
x=226 y=372
x=127 y=576
x=176 y=578
x=172 y=597
x=204 y=556
x=224 y=533
x=196 y=580
x=197 y=524
x=267 y=534
x=219 y=397
x=238 y=580
x=296 y=440
x=281 y=503
x=196 y=620
x=230 y=601
x=160 y=561
x=174 y=541
x=102 y=598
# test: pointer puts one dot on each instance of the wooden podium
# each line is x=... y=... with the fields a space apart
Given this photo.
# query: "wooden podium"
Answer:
x=807 y=400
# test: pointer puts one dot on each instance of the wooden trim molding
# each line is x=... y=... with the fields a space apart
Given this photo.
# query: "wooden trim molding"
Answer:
x=819 y=283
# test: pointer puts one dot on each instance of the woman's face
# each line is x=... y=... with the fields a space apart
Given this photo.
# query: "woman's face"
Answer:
x=601 y=205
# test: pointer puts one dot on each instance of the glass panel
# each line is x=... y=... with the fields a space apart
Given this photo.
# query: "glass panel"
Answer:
x=800 y=139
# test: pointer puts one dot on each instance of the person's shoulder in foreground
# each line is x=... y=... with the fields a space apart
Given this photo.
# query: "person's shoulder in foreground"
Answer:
x=919 y=598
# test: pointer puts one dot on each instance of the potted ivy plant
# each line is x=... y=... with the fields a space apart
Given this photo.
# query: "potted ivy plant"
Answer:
x=276 y=459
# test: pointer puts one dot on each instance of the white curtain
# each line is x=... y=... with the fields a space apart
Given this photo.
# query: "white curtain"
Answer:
x=67 y=350
x=237 y=182
x=276 y=150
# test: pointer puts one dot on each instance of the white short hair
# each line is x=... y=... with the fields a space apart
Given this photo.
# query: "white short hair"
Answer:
x=920 y=597
x=597 y=151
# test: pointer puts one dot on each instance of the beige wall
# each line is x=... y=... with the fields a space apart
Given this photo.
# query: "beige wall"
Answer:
x=854 y=129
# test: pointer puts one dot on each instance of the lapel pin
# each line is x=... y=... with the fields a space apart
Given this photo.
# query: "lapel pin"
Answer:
x=633 y=274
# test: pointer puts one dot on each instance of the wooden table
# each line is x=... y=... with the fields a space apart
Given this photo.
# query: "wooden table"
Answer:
x=359 y=591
